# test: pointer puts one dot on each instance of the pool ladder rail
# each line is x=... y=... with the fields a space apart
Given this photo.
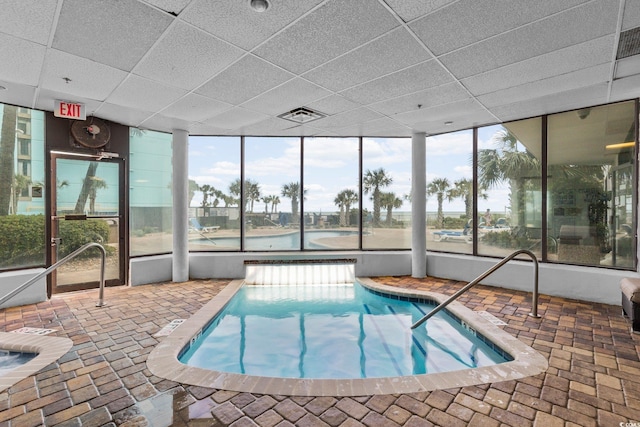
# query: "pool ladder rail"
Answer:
x=64 y=260
x=534 y=297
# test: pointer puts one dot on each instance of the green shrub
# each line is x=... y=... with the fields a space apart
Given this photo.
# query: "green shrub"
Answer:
x=22 y=240
x=451 y=222
x=77 y=233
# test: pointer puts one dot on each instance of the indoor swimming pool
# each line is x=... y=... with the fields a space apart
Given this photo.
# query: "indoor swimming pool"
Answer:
x=354 y=340
x=335 y=331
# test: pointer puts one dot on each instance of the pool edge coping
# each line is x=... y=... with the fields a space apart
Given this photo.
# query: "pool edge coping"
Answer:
x=48 y=349
x=163 y=359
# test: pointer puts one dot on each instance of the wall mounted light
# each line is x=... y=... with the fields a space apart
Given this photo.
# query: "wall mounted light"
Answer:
x=620 y=145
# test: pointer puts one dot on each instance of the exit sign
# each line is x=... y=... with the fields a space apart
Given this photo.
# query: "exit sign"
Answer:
x=69 y=110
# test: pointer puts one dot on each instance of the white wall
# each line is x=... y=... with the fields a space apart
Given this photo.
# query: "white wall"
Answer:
x=582 y=283
x=11 y=280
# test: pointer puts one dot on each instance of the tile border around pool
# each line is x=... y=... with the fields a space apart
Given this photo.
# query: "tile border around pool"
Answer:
x=49 y=349
x=163 y=360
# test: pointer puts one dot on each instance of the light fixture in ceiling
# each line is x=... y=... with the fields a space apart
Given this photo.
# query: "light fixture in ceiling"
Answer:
x=259 y=5
x=302 y=115
x=620 y=145
x=448 y=123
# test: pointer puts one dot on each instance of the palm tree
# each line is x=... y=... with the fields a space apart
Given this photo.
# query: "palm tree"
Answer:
x=20 y=183
x=439 y=187
x=340 y=202
x=372 y=182
x=7 y=149
x=96 y=184
x=390 y=201
x=348 y=197
x=206 y=189
x=507 y=163
x=463 y=189
x=292 y=191
x=267 y=200
x=251 y=193
x=86 y=187
x=275 y=201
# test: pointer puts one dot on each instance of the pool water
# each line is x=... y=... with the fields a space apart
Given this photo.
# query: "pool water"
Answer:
x=10 y=360
x=334 y=332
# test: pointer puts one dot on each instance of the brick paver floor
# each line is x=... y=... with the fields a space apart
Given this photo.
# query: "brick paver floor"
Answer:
x=593 y=377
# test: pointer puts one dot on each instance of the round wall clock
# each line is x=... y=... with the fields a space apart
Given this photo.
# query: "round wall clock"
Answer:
x=91 y=133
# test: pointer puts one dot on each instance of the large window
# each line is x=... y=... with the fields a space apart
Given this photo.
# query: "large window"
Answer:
x=22 y=177
x=450 y=192
x=386 y=187
x=331 y=205
x=272 y=194
x=214 y=189
x=510 y=188
x=150 y=220
x=591 y=170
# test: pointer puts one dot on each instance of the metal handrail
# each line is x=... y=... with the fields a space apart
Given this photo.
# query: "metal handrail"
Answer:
x=69 y=257
x=534 y=298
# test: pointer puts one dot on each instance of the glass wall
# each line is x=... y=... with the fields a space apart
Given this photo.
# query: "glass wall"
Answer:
x=510 y=188
x=331 y=168
x=591 y=172
x=450 y=192
x=22 y=178
x=273 y=194
x=386 y=187
x=151 y=203
x=214 y=190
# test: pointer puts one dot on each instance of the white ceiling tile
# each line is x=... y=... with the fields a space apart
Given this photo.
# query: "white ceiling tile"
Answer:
x=195 y=108
x=87 y=78
x=627 y=66
x=625 y=88
x=186 y=57
x=559 y=62
x=25 y=68
x=578 y=25
x=28 y=19
x=17 y=94
x=247 y=78
x=469 y=21
x=293 y=94
x=113 y=32
x=416 y=78
x=333 y=29
x=444 y=94
x=631 y=17
x=392 y=52
x=411 y=9
x=126 y=116
x=378 y=127
x=205 y=129
x=165 y=124
x=332 y=104
x=582 y=78
x=145 y=94
x=237 y=23
x=173 y=7
x=559 y=101
x=466 y=109
x=345 y=119
x=236 y=118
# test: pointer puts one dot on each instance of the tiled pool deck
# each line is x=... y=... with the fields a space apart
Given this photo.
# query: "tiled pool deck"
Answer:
x=593 y=377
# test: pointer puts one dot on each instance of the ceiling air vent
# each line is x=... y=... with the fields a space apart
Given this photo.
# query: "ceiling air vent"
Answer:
x=302 y=115
x=629 y=43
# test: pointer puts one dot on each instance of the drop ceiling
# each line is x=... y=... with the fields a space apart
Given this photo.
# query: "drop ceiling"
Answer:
x=371 y=67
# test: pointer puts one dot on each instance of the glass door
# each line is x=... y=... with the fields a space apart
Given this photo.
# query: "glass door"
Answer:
x=86 y=205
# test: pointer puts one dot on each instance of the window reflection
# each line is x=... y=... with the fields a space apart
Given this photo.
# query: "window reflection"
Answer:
x=510 y=188
x=591 y=156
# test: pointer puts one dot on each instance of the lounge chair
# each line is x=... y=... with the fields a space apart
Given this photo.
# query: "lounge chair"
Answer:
x=194 y=226
x=450 y=235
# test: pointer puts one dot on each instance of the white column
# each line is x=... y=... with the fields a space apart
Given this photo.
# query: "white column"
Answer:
x=418 y=205
x=180 y=185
